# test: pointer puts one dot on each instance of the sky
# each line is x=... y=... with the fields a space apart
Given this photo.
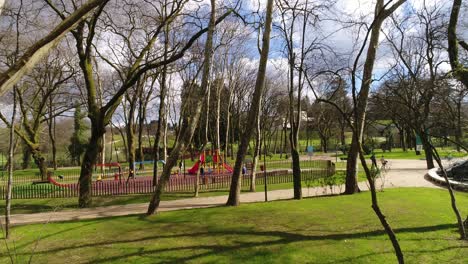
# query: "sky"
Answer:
x=341 y=41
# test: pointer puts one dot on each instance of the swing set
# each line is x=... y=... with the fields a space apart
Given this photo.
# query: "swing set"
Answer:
x=212 y=162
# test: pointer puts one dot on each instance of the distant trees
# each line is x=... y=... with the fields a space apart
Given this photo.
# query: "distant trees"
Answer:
x=79 y=138
x=34 y=96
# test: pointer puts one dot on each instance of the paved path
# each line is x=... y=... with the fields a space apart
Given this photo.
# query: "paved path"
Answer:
x=403 y=173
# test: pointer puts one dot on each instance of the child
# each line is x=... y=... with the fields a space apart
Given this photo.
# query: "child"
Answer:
x=383 y=161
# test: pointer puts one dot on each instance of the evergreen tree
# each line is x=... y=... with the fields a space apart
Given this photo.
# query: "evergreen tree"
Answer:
x=78 y=140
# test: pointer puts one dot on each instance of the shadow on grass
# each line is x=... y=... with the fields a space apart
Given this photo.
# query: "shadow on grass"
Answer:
x=269 y=238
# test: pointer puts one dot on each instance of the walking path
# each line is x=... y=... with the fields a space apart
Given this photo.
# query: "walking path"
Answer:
x=403 y=173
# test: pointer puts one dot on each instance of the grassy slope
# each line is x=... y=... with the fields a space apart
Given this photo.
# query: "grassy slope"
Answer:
x=321 y=230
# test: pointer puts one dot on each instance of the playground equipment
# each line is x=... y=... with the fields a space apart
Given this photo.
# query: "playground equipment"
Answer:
x=211 y=163
x=114 y=171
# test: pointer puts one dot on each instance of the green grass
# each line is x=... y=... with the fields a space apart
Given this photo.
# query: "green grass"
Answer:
x=411 y=154
x=340 y=229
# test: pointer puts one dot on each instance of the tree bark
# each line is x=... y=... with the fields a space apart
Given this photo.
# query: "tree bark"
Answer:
x=89 y=161
x=453 y=202
x=351 y=184
x=26 y=157
x=427 y=151
x=10 y=169
x=234 y=192
x=161 y=112
x=255 y=156
x=459 y=70
x=131 y=143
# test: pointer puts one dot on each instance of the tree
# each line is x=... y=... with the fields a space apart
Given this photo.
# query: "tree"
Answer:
x=417 y=69
x=10 y=169
x=78 y=140
x=141 y=61
x=191 y=114
x=357 y=120
x=360 y=106
x=234 y=192
x=42 y=47
x=459 y=70
x=34 y=95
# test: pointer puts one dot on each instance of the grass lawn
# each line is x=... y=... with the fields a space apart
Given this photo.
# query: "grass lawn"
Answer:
x=339 y=229
x=410 y=154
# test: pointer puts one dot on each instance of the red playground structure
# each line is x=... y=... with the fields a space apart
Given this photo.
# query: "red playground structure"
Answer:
x=213 y=164
x=113 y=172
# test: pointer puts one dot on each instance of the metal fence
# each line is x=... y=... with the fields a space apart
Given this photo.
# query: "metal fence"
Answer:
x=26 y=188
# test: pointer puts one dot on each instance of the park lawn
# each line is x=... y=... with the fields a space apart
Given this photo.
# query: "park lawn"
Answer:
x=28 y=206
x=337 y=229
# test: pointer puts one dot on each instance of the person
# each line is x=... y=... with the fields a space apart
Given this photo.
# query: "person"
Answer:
x=180 y=167
x=374 y=160
x=202 y=173
x=244 y=170
x=383 y=161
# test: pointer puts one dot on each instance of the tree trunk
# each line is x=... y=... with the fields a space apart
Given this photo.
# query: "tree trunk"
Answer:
x=459 y=127
x=207 y=114
x=276 y=140
x=89 y=161
x=228 y=123
x=325 y=145
x=453 y=202
x=427 y=150
x=11 y=154
x=218 y=112
x=131 y=146
x=141 y=124
x=281 y=142
x=52 y=125
x=26 y=157
x=351 y=185
x=359 y=111
x=376 y=207
x=40 y=162
x=255 y=156
x=402 y=139
x=459 y=70
x=234 y=192
x=161 y=113
x=296 y=166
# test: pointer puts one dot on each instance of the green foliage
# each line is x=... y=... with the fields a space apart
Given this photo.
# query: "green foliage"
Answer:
x=78 y=140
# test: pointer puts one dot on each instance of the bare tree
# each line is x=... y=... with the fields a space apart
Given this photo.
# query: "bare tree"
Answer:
x=42 y=47
x=234 y=192
x=191 y=114
x=129 y=73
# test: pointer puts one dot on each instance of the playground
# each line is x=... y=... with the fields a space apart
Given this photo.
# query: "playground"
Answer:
x=114 y=179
